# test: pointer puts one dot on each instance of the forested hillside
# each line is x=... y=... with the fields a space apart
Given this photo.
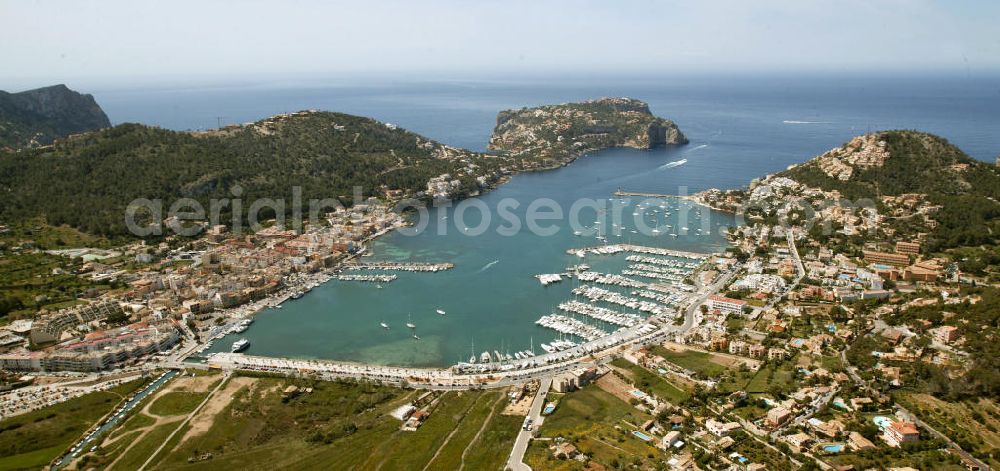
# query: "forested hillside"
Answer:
x=87 y=182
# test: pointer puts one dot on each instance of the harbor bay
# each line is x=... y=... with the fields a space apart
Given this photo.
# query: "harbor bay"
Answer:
x=491 y=299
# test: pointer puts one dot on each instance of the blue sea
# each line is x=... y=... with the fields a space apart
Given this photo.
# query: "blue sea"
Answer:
x=740 y=128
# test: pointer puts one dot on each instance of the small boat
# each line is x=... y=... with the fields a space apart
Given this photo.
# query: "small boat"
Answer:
x=378 y=286
x=384 y=325
x=577 y=233
x=439 y=311
x=415 y=337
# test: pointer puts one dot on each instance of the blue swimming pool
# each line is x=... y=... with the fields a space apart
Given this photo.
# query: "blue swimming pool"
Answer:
x=882 y=421
x=642 y=436
x=833 y=448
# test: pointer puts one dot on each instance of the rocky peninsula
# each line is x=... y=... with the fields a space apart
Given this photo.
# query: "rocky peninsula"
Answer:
x=554 y=135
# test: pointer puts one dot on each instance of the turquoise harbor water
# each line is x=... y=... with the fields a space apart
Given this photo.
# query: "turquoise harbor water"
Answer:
x=491 y=297
x=740 y=128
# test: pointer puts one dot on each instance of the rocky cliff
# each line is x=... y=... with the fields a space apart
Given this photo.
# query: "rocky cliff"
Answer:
x=557 y=134
x=37 y=117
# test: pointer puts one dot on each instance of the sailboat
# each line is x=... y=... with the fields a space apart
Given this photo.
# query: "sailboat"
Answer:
x=409 y=322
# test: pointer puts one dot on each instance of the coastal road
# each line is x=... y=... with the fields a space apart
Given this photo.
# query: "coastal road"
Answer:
x=516 y=460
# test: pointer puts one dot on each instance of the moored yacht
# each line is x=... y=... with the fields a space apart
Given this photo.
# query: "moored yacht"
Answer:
x=240 y=345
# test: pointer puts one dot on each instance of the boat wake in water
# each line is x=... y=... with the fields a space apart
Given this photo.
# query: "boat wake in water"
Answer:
x=700 y=146
x=792 y=121
x=488 y=265
x=676 y=163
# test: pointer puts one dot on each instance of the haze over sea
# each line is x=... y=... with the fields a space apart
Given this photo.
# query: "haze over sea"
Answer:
x=740 y=128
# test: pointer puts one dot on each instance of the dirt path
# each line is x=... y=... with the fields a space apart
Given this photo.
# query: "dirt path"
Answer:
x=202 y=422
x=143 y=431
x=453 y=431
x=222 y=382
x=486 y=422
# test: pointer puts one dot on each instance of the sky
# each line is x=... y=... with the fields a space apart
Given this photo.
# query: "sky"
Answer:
x=128 y=41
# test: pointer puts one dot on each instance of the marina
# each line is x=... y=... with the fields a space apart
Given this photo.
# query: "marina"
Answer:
x=400 y=266
x=367 y=278
x=601 y=314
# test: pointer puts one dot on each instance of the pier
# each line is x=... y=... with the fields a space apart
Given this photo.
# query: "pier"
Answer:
x=367 y=278
x=594 y=293
x=631 y=248
x=622 y=193
x=601 y=313
x=401 y=266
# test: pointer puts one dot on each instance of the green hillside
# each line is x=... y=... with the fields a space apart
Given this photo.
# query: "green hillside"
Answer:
x=967 y=190
x=86 y=182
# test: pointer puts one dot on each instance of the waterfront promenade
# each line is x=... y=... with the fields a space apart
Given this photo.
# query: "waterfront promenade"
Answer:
x=459 y=377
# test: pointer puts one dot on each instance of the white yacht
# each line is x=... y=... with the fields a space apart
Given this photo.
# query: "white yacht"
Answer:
x=240 y=345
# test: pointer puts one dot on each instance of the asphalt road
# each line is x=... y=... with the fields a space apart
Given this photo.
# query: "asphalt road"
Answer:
x=516 y=460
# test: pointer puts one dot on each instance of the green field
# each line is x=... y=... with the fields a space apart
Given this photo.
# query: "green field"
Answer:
x=699 y=362
x=176 y=403
x=773 y=379
x=650 y=382
x=337 y=423
x=32 y=440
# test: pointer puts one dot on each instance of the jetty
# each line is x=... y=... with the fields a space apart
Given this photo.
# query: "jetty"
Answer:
x=367 y=278
x=401 y=266
x=631 y=248
x=622 y=193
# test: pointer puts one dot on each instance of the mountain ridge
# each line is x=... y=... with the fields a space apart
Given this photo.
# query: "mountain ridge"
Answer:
x=37 y=117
